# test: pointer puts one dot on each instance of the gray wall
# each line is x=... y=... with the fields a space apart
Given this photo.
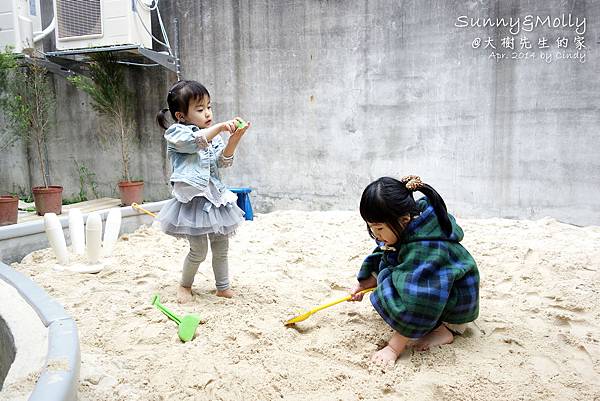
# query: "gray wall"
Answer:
x=342 y=92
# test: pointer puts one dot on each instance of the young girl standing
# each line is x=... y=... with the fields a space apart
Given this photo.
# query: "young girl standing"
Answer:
x=202 y=208
x=426 y=280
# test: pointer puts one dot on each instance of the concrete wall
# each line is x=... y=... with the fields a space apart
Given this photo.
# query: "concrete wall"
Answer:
x=342 y=92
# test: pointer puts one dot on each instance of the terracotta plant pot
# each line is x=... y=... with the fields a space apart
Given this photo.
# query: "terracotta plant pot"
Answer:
x=131 y=192
x=9 y=209
x=48 y=200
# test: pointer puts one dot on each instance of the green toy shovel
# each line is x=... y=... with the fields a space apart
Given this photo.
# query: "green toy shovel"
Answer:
x=187 y=324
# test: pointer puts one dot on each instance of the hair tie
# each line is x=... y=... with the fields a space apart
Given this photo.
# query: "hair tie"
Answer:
x=412 y=182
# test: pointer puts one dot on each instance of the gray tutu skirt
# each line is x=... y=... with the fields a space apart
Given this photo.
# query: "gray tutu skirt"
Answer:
x=199 y=216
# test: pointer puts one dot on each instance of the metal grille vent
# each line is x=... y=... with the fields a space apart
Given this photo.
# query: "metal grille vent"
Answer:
x=78 y=18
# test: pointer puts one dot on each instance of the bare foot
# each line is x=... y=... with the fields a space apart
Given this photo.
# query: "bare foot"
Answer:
x=184 y=295
x=228 y=293
x=439 y=336
x=385 y=356
x=391 y=352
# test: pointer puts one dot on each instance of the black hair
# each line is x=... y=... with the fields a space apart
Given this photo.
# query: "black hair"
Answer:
x=387 y=199
x=179 y=98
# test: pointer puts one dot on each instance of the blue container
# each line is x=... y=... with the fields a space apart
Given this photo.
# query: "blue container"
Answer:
x=243 y=201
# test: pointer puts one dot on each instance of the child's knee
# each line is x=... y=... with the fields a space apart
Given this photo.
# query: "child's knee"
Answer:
x=197 y=255
x=218 y=240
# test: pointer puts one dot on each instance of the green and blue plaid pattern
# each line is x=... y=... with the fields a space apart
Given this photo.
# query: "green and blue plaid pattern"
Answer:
x=429 y=278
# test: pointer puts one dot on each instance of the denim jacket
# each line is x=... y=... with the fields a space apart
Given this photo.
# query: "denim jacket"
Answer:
x=194 y=160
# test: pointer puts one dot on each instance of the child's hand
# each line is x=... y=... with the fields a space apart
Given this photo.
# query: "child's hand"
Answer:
x=239 y=132
x=228 y=126
x=353 y=292
x=362 y=285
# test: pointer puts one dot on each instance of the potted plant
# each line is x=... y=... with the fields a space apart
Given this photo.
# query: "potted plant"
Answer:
x=27 y=101
x=9 y=209
x=113 y=102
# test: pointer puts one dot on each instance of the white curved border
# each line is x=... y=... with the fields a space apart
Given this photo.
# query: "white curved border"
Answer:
x=59 y=379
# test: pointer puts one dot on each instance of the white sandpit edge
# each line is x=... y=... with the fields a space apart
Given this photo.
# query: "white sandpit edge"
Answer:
x=53 y=330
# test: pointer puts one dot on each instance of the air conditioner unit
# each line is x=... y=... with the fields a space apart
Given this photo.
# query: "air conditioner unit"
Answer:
x=19 y=19
x=100 y=23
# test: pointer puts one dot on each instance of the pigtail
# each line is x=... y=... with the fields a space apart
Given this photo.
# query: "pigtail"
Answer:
x=414 y=183
x=161 y=119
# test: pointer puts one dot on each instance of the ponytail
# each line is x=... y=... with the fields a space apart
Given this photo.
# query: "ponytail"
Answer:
x=387 y=199
x=161 y=119
x=439 y=207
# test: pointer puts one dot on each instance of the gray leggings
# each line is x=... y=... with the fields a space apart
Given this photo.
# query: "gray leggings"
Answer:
x=219 y=245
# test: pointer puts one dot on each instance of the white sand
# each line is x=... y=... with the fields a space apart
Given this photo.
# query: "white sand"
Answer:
x=539 y=336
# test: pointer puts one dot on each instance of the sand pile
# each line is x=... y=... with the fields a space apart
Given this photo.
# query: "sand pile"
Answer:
x=538 y=336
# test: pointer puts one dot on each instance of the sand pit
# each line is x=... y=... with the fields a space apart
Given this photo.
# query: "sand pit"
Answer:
x=537 y=338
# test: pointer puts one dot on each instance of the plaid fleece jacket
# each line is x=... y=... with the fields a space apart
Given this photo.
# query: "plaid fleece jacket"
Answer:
x=429 y=278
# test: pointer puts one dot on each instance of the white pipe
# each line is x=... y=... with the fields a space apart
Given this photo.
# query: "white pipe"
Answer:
x=46 y=31
x=111 y=231
x=93 y=237
x=76 y=231
x=56 y=238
